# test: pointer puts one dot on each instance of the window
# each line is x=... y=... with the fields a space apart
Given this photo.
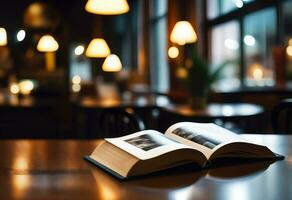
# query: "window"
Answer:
x=79 y=65
x=248 y=31
x=287 y=16
x=158 y=46
x=219 y=7
x=225 y=47
x=259 y=38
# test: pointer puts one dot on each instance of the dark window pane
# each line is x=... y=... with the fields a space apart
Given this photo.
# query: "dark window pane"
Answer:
x=220 y=7
x=287 y=15
x=259 y=39
x=225 y=47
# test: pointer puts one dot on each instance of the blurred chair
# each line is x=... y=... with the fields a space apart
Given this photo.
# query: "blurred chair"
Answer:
x=282 y=117
x=117 y=122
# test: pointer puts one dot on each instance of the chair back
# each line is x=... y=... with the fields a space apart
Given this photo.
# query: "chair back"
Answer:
x=117 y=122
x=282 y=117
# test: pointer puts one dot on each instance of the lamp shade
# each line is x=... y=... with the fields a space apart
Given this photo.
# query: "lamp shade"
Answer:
x=47 y=44
x=3 y=37
x=112 y=63
x=97 y=48
x=183 y=33
x=107 y=7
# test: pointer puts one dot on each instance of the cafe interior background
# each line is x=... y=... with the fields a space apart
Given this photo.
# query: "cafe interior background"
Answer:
x=64 y=64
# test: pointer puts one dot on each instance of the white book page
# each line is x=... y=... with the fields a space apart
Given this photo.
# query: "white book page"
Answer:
x=146 y=144
x=205 y=137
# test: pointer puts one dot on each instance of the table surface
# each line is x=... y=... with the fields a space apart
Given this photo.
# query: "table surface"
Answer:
x=54 y=169
x=139 y=101
x=217 y=110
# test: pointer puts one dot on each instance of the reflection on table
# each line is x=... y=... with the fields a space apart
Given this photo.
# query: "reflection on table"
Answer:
x=216 y=110
x=32 y=169
x=138 y=101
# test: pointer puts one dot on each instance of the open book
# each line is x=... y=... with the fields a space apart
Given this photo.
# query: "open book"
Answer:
x=186 y=142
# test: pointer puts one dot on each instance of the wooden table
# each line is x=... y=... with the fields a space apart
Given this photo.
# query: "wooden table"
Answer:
x=87 y=111
x=54 y=169
x=139 y=101
x=216 y=110
x=158 y=112
x=248 y=117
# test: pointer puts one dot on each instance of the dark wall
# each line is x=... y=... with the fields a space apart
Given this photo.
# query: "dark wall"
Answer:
x=72 y=15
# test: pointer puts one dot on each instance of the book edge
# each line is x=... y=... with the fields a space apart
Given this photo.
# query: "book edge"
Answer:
x=104 y=168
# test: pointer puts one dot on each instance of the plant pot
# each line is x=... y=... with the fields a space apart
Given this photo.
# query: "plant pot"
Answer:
x=198 y=102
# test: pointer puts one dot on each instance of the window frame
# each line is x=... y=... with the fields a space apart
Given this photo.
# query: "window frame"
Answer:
x=239 y=15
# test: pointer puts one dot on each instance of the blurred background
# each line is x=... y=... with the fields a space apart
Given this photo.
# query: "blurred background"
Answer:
x=66 y=65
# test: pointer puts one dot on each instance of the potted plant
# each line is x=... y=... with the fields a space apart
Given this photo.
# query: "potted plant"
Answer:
x=199 y=79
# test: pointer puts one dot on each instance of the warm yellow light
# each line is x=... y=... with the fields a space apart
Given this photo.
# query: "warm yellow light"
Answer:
x=112 y=63
x=289 y=50
x=258 y=74
x=47 y=44
x=76 y=79
x=3 y=37
x=76 y=88
x=14 y=88
x=173 y=52
x=79 y=50
x=21 y=183
x=26 y=86
x=290 y=42
x=97 y=48
x=181 y=72
x=183 y=33
x=107 y=7
x=256 y=71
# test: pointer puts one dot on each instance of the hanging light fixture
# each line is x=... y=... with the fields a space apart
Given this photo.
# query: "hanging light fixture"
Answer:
x=49 y=45
x=3 y=37
x=97 y=48
x=107 y=7
x=183 y=33
x=112 y=63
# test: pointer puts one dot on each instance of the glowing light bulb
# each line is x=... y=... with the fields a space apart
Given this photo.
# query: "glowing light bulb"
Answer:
x=238 y=3
x=26 y=86
x=249 y=40
x=79 y=50
x=14 y=88
x=173 y=52
x=76 y=79
x=20 y=35
x=289 y=51
x=76 y=88
x=3 y=37
x=290 y=42
x=258 y=74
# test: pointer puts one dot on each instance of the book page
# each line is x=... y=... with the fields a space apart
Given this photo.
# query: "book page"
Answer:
x=146 y=144
x=205 y=137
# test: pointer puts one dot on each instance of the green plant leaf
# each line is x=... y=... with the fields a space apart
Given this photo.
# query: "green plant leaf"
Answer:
x=200 y=77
